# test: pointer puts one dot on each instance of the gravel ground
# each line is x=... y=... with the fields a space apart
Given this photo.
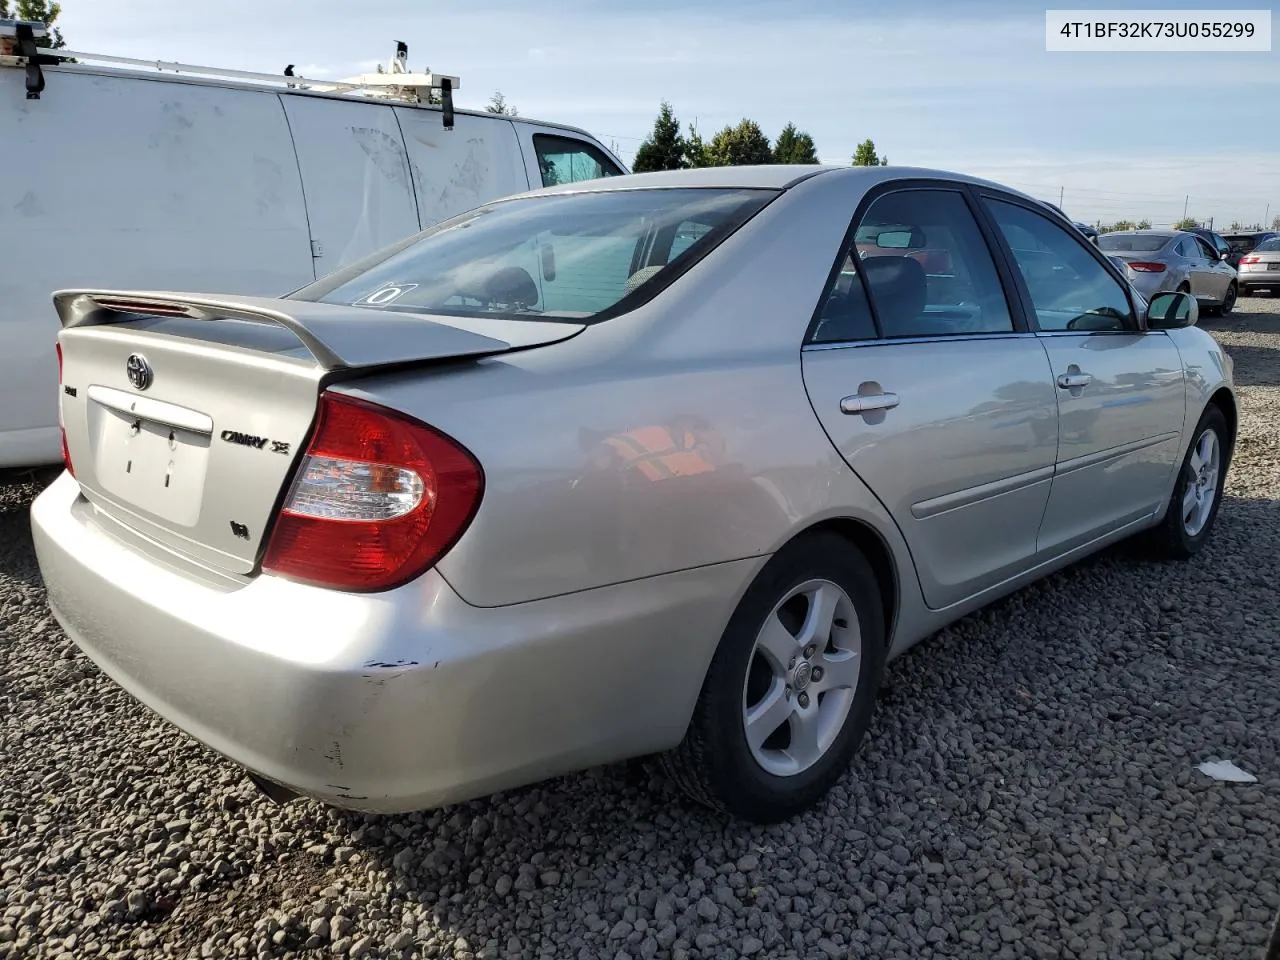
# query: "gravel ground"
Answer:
x=1029 y=789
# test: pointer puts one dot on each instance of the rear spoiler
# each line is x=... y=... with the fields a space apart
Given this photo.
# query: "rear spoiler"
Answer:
x=339 y=337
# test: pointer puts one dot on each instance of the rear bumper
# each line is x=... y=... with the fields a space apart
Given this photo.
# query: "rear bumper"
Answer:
x=1260 y=279
x=399 y=701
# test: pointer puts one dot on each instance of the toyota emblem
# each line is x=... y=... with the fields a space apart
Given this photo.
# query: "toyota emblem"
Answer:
x=138 y=371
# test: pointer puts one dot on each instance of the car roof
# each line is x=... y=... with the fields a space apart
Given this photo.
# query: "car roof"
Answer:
x=765 y=177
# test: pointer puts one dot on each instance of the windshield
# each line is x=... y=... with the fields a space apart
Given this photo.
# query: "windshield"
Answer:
x=1268 y=246
x=1242 y=244
x=564 y=256
x=1120 y=243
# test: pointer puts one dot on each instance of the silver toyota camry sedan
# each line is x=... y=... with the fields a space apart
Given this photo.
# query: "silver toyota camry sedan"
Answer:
x=659 y=464
x=1160 y=260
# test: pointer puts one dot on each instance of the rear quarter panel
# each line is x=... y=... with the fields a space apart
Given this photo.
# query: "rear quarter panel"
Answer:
x=672 y=437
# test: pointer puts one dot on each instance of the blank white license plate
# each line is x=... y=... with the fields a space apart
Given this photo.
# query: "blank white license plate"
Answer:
x=154 y=467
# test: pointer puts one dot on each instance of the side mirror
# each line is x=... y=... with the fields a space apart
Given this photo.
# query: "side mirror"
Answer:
x=1172 y=311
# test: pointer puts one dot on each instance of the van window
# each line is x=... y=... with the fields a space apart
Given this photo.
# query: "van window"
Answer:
x=564 y=256
x=566 y=160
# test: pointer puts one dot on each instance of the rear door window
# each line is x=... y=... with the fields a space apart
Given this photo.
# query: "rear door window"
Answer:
x=921 y=258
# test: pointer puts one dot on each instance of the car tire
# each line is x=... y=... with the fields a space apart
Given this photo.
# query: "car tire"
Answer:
x=1176 y=538
x=726 y=763
x=1245 y=292
x=1229 y=301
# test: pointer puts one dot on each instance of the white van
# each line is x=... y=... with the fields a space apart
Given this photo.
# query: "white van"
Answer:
x=113 y=175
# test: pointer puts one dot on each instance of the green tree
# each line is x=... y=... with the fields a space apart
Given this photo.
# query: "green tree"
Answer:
x=865 y=155
x=794 y=146
x=1186 y=223
x=498 y=104
x=665 y=148
x=41 y=11
x=1144 y=224
x=743 y=144
x=695 y=150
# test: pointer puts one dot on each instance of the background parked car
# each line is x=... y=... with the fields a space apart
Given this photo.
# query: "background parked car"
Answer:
x=1243 y=243
x=1260 y=269
x=1087 y=230
x=1217 y=241
x=1160 y=260
x=1084 y=228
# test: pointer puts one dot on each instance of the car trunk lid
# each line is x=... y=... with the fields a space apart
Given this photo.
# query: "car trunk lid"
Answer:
x=186 y=414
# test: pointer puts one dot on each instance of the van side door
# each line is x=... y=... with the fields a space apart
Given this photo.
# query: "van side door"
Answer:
x=479 y=160
x=355 y=176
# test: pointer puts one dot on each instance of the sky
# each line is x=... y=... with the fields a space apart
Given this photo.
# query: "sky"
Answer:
x=965 y=85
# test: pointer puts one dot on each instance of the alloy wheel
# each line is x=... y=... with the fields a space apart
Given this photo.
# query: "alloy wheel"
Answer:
x=802 y=677
x=1202 y=483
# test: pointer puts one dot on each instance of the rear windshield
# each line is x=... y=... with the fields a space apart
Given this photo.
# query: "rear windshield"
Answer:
x=1268 y=246
x=1120 y=243
x=1242 y=244
x=559 y=257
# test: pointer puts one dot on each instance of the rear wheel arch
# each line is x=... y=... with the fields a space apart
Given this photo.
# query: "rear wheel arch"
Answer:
x=873 y=547
x=716 y=762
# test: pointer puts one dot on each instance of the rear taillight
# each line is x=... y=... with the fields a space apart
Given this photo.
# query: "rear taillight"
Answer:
x=1146 y=266
x=1251 y=259
x=379 y=497
x=62 y=429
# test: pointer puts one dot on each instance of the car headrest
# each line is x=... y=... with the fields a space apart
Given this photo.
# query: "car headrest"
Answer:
x=512 y=285
x=899 y=288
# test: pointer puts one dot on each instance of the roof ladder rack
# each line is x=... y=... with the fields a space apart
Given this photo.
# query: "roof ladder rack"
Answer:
x=18 y=43
x=395 y=83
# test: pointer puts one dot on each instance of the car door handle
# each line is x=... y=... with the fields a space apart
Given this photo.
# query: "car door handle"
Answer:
x=1069 y=381
x=868 y=402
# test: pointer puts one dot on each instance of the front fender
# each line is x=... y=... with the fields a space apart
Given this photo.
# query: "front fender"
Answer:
x=1207 y=372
